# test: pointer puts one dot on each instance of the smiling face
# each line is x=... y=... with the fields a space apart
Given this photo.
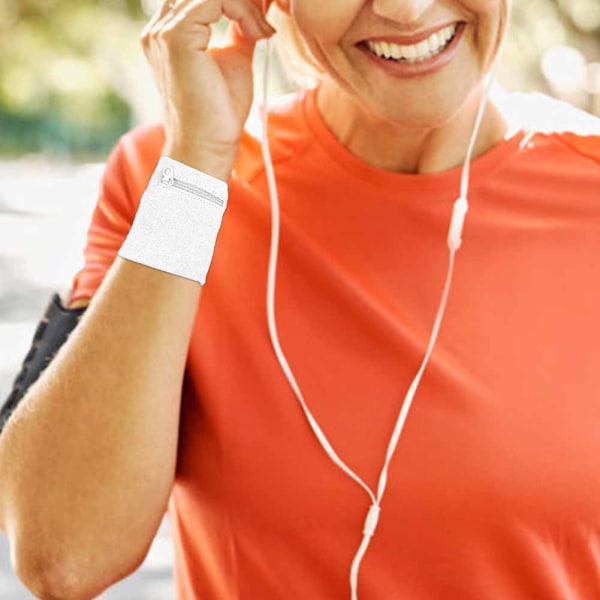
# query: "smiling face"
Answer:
x=426 y=78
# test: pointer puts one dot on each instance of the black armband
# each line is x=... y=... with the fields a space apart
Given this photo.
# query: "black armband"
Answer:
x=51 y=333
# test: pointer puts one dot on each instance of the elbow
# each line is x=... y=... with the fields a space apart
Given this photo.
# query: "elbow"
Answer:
x=73 y=578
x=48 y=581
x=52 y=583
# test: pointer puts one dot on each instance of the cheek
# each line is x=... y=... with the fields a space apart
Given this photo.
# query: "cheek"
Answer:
x=490 y=11
x=492 y=18
x=484 y=6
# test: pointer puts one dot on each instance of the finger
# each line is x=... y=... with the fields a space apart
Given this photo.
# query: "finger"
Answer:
x=165 y=8
x=249 y=16
x=235 y=37
x=246 y=29
x=246 y=21
x=206 y=12
x=193 y=18
x=176 y=22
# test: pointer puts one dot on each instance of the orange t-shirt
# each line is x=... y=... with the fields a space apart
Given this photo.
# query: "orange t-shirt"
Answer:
x=494 y=490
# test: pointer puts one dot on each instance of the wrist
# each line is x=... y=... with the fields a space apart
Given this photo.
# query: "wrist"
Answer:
x=213 y=160
x=177 y=221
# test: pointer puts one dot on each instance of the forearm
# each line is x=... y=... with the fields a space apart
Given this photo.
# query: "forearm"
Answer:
x=88 y=458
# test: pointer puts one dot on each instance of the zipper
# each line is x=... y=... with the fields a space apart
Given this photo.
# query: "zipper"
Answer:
x=168 y=179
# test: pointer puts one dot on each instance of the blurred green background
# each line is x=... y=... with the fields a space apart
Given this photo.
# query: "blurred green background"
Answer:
x=73 y=76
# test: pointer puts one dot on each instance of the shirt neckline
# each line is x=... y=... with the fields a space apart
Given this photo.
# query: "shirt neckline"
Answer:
x=325 y=137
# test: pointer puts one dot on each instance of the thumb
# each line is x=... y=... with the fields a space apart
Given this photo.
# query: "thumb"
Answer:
x=235 y=37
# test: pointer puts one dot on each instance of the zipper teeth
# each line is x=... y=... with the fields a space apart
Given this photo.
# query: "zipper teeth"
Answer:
x=193 y=189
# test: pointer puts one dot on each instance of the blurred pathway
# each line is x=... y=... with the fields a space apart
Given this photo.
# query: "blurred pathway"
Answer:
x=44 y=215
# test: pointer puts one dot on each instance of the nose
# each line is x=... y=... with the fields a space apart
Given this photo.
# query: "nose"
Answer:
x=401 y=11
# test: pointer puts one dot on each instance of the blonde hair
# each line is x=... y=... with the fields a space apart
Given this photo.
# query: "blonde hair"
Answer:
x=301 y=66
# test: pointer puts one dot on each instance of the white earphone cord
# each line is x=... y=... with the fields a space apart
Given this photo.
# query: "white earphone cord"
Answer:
x=454 y=241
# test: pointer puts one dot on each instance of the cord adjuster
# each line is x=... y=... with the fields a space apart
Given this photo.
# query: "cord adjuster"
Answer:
x=371 y=520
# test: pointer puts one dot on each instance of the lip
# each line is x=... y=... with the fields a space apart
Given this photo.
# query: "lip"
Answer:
x=409 y=40
x=425 y=67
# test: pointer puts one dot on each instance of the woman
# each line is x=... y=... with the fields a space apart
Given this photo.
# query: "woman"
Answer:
x=176 y=396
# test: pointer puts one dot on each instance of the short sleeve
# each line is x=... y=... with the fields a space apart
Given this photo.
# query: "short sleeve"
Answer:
x=126 y=175
x=585 y=145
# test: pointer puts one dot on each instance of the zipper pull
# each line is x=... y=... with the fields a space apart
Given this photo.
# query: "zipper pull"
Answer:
x=167 y=176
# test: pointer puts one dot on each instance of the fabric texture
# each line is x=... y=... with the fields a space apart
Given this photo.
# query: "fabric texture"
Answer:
x=177 y=221
x=494 y=490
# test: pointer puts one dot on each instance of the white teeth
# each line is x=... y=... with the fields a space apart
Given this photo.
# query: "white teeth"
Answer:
x=409 y=52
x=434 y=44
x=394 y=51
x=422 y=48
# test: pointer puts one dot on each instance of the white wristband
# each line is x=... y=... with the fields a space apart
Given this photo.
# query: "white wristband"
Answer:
x=177 y=222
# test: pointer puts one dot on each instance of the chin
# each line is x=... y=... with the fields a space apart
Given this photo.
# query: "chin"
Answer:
x=421 y=115
x=421 y=107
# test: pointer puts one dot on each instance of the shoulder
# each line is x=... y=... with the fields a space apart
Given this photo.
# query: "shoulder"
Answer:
x=133 y=158
x=142 y=145
x=555 y=120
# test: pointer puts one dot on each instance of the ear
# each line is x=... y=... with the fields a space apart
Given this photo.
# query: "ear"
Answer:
x=283 y=5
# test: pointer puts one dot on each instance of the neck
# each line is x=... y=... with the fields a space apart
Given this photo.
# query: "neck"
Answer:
x=404 y=149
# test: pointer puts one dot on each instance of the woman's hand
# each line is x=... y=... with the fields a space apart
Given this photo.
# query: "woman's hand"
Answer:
x=206 y=93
